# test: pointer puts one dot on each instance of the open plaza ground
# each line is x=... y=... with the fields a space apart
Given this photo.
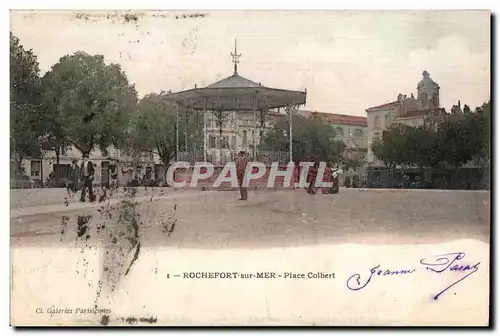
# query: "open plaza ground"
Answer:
x=216 y=219
x=140 y=280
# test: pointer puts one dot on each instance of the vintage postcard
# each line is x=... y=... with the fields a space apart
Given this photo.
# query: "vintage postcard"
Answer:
x=250 y=168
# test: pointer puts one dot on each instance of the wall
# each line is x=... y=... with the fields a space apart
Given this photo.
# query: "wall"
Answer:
x=372 y=131
x=233 y=125
x=96 y=156
x=349 y=132
x=412 y=121
x=72 y=153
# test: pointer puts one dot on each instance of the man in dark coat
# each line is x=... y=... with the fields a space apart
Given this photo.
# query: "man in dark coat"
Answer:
x=311 y=178
x=241 y=166
x=73 y=177
x=87 y=177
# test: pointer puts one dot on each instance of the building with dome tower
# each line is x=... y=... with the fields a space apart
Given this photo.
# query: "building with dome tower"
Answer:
x=425 y=109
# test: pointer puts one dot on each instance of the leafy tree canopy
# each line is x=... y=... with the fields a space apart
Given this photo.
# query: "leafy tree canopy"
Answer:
x=457 y=140
x=92 y=102
x=154 y=128
x=311 y=138
x=24 y=102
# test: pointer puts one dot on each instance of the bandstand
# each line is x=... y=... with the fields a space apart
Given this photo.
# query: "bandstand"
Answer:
x=236 y=93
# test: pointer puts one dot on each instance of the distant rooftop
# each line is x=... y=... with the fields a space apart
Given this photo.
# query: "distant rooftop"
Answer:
x=338 y=119
x=384 y=106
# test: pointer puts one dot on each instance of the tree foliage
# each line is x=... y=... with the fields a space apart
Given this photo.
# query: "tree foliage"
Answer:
x=392 y=148
x=311 y=138
x=460 y=139
x=90 y=102
x=24 y=102
x=154 y=128
x=456 y=141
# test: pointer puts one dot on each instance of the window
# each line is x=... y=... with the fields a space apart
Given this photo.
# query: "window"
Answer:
x=233 y=142
x=245 y=138
x=376 y=122
x=224 y=142
x=414 y=122
x=358 y=132
x=35 y=168
x=386 y=121
x=423 y=100
x=60 y=170
x=435 y=100
x=339 y=132
x=212 y=142
x=64 y=151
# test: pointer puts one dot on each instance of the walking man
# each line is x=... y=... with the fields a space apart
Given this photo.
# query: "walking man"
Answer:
x=72 y=178
x=241 y=166
x=87 y=177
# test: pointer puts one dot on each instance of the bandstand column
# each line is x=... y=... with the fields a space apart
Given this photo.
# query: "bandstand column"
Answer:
x=177 y=133
x=254 y=127
x=289 y=108
x=185 y=130
x=205 y=131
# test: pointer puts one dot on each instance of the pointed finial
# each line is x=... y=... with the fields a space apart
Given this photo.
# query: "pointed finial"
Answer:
x=236 y=57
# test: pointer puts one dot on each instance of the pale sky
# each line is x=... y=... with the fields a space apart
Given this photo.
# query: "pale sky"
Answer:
x=348 y=61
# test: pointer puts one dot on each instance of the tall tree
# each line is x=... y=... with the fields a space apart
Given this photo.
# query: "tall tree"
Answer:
x=51 y=117
x=395 y=148
x=154 y=128
x=426 y=147
x=460 y=137
x=93 y=101
x=353 y=159
x=482 y=120
x=310 y=138
x=24 y=101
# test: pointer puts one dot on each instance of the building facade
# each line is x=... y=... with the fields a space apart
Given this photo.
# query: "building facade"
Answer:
x=424 y=110
x=240 y=130
x=238 y=133
x=352 y=130
x=129 y=167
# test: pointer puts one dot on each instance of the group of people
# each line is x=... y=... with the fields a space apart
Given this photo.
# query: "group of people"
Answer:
x=81 y=175
x=330 y=174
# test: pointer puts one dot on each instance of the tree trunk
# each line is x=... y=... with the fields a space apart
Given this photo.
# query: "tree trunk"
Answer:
x=19 y=166
x=454 y=177
x=403 y=171
x=41 y=171
x=58 y=153
x=433 y=178
x=393 y=176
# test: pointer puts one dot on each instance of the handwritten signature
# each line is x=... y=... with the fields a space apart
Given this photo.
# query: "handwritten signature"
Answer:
x=436 y=264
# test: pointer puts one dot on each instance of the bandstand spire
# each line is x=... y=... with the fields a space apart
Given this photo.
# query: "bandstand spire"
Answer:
x=236 y=58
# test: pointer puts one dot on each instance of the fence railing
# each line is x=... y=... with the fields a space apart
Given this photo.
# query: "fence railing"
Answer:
x=466 y=178
x=217 y=157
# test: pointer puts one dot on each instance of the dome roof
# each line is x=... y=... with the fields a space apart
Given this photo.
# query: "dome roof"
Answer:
x=426 y=82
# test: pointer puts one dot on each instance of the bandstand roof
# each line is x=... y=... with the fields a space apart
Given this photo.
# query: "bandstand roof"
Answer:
x=236 y=93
